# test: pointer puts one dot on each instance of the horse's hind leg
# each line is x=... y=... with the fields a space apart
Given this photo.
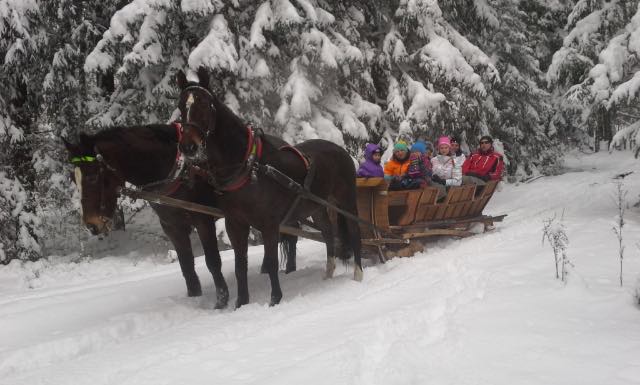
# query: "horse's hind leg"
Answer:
x=178 y=233
x=288 y=247
x=354 y=238
x=270 y=261
x=356 y=246
x=323 y=223
x=238 y=235
x=207 y=233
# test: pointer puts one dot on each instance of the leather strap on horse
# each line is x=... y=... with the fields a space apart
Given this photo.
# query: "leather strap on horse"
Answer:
x=295 y=187
x=244 y=174
x=308 y=179
x=178 y=165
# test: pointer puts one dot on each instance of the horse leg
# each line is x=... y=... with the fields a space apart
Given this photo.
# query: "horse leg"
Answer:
x=178 y=234
x=288 y=246
x=353 y=239
x=207 y=232
x=356 y=245
x=323 y=223
x=239 y=235
x=270 y=261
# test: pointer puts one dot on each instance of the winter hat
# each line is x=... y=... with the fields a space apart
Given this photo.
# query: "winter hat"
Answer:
x=444 y=140
x=419 y=146
x=401 y=146
x=487 y=137
x=455 y=139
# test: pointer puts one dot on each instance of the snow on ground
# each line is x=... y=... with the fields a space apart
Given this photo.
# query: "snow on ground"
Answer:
x=483 y=310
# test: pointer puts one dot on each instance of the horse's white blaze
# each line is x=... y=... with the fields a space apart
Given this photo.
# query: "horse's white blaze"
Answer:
x=77 y=173
x=189 y=103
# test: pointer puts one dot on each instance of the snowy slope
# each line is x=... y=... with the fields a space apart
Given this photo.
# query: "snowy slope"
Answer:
x=483 y=310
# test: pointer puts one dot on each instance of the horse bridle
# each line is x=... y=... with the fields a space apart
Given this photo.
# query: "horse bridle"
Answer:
x=102 y=165
x=246 y=169
x=187 y=122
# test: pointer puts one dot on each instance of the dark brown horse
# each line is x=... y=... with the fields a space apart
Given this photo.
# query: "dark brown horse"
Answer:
x=239 y=162
x=148 y=156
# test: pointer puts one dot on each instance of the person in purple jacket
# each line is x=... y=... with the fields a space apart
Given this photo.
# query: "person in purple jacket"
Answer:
x=371 y=167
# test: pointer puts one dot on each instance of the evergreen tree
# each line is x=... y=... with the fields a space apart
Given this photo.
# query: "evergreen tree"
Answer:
x=19 y=42
x=583 y=87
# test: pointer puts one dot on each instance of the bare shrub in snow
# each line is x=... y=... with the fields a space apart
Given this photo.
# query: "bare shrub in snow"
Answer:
x=620 y=196
x=555 y=233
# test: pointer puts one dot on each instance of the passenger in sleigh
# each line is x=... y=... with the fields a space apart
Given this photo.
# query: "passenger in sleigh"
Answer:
x=419 y=171
x=396 y=168
x=446 y=170
x=371 y=167
x=483 y=165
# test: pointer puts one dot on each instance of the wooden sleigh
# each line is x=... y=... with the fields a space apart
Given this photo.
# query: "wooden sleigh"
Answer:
x=415 y=215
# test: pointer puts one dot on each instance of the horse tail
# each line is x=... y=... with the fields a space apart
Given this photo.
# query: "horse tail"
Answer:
x=288 y=252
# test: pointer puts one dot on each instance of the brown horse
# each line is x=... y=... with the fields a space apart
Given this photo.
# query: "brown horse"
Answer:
x=241 y=165
x=148 y=156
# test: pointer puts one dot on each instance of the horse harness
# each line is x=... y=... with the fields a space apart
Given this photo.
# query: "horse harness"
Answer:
x=250 y=166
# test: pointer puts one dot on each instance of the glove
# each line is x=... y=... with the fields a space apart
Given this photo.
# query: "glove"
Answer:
x=437 y=179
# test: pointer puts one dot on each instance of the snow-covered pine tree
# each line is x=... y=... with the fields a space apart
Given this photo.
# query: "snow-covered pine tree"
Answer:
x=518 y=37
x=434 y=80
x=21 y=37
x=583 y=86
x=146 y=42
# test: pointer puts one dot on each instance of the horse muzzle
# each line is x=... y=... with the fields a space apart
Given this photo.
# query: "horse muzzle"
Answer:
x=99 y=227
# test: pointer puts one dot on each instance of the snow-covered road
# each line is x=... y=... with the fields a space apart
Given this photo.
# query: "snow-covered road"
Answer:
x=483 y=310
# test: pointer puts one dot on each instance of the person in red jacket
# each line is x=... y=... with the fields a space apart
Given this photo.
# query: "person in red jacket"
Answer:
x=483 y=165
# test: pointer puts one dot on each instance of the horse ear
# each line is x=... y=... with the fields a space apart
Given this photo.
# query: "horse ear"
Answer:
x=203 y=77
x=181 y=79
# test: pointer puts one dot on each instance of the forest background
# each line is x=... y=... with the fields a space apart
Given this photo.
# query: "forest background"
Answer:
x=540 y=76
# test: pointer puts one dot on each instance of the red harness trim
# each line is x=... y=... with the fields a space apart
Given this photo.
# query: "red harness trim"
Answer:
x=173 y=187
x=254 y=147
x=299 y=153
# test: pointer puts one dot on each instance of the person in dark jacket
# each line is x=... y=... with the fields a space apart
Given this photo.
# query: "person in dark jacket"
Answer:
x=371 y=167
x=419 y=171
x=483 y=165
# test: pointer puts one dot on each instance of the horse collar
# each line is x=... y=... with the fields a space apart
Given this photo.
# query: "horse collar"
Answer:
x=247 y=168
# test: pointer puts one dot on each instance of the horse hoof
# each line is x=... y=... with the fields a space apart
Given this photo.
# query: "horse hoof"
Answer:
x=290 y=269
x=358 y=274
x=194 y=292
x=275 y=300
x=240 y=302
x=222 y=299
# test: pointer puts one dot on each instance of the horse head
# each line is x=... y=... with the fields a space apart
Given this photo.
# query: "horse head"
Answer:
x=198 y=112
x=98 y=183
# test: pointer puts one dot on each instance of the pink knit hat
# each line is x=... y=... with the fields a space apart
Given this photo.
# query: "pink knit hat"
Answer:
x=444 y=140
